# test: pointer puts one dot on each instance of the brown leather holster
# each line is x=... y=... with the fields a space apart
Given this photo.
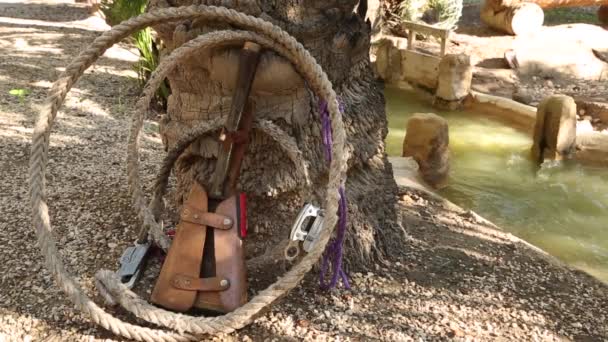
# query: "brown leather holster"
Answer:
x=205 y=265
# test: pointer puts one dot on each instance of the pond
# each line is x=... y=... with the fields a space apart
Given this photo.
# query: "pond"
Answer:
x=562 y=208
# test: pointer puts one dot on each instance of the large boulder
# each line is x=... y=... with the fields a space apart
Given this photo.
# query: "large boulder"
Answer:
x=565 y=51
x=454 y=80
x=427 y=142
x=555 y=129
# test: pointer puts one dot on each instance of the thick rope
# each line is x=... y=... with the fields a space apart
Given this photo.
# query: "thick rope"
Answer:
x=319 y=83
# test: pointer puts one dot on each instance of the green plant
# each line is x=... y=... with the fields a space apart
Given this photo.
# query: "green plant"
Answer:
x=148 y=61
x=409 y=10
x=439 y=13
x=558 y=16
x=446 y=12
x=117 y=11
x=20 y=93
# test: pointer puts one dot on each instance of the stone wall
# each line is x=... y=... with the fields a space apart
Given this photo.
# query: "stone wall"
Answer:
x=395 y=64
x=448 y=77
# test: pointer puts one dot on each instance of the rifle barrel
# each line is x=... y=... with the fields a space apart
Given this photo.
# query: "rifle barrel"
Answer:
x=248 y=62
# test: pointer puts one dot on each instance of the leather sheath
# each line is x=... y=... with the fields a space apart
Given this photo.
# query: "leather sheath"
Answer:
x=179 y=280
x=184 y=257
x=229 y=262
x=205 y=265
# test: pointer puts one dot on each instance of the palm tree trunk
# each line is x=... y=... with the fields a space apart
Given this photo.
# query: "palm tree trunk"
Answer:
x=339 y=40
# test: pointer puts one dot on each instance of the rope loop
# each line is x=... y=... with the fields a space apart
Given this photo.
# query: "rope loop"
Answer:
x=178 y=327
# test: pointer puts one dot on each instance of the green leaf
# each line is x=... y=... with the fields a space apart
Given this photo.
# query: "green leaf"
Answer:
x=19 y=92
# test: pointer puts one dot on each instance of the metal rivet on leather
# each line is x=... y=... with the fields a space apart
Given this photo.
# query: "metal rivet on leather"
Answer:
x=224 y=283
x=227 y=222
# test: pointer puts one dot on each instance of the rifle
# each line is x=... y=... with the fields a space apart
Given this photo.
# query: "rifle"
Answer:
x=215 y=278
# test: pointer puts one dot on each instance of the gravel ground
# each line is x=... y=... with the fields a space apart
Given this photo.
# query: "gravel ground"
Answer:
x=457 y=278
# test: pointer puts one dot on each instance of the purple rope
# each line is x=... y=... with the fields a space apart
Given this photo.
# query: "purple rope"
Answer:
x=333 y=252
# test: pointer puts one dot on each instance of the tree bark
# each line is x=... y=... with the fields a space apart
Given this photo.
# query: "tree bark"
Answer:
x=202 y=88
x=602 y=14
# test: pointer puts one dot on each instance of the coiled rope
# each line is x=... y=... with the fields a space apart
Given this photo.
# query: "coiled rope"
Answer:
x=181 y=327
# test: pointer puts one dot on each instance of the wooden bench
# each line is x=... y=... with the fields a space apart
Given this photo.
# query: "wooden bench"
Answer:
x=413 y=28
x=419 y=67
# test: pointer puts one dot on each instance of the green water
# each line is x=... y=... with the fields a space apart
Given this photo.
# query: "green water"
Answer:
x=563 y=208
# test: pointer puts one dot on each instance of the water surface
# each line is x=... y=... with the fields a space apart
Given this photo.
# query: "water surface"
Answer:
x=563 y=208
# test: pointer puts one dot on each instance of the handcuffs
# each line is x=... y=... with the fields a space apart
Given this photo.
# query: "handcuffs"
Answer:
x=306 y=229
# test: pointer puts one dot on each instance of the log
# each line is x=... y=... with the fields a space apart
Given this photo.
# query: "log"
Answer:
x=517 y=18
x=548 y=4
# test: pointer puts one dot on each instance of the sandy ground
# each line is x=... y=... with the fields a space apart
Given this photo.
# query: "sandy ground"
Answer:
x=458 y=276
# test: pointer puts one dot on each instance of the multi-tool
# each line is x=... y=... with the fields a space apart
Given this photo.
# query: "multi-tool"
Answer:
x=132 y=263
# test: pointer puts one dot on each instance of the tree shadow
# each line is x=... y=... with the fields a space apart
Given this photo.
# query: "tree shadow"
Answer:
x=39 y=57
x=493 y=63
x=461 y=255
x=46 y=11
x=31 y=58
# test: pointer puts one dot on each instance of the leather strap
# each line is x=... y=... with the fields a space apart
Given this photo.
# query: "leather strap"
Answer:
x=184 y=282
x=209 y=219
x=228 y=259
x=184 y=257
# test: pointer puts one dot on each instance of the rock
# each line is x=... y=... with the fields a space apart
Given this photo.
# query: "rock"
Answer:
x=455 y=332
x=555 y=128
x=427 y=142
x=562 y=52
x=455 y=74
x=385 y=55
x=522 y=96
x=509 y=57
x=379 y=58
x=374 y=15
x=592 y=108
x=584 y=126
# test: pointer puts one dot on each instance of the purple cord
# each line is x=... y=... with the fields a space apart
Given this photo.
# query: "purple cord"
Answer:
x=333 y=252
